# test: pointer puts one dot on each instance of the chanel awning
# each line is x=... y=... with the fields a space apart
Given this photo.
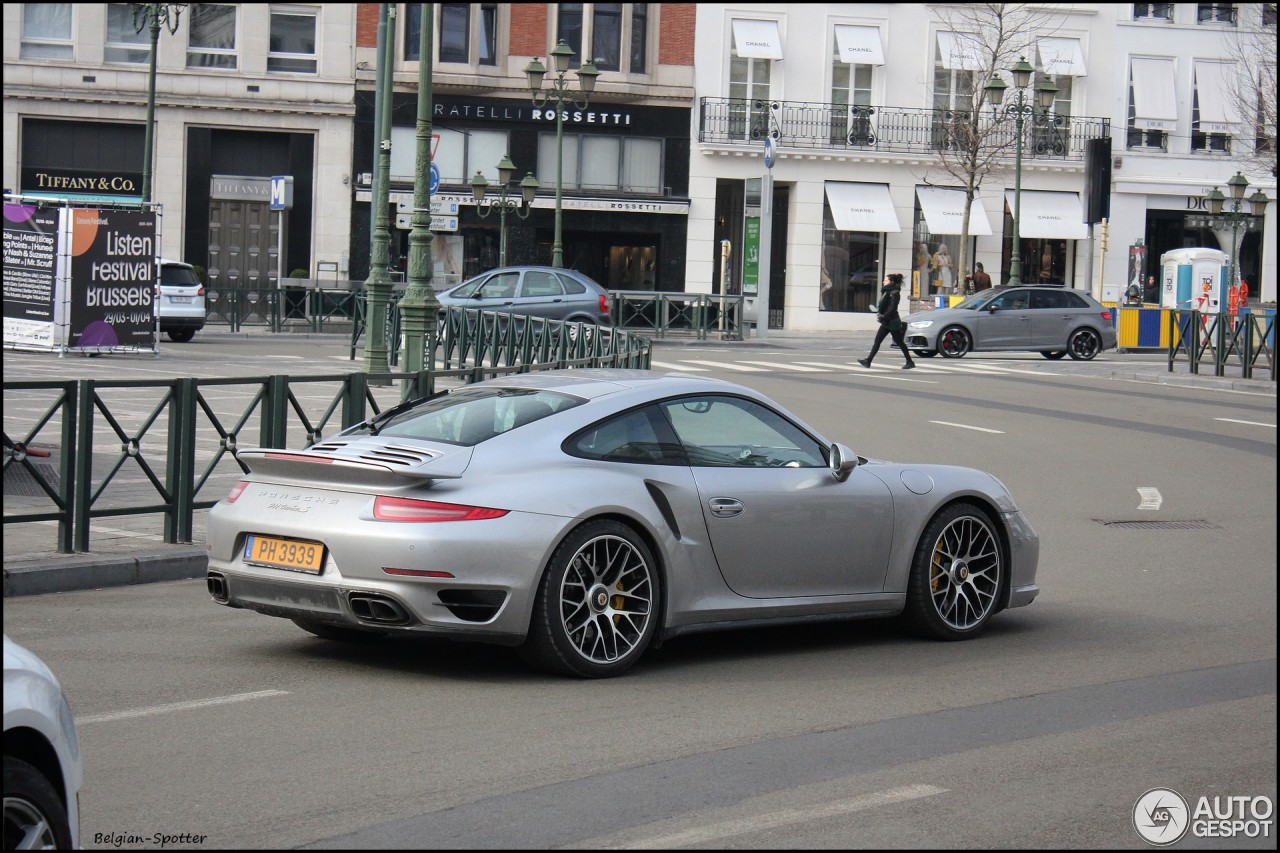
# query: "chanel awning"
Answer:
x=961 y=51
x=1049 y=214
x=861 y=207
x=756 y=39
x=1061 y=56
x=859 y=45
x=943 y=211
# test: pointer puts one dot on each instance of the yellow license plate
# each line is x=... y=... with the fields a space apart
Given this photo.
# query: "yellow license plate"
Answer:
x=284 y=554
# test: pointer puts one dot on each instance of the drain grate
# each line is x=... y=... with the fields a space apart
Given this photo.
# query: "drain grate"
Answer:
x=19 y=481
x=1194 y=524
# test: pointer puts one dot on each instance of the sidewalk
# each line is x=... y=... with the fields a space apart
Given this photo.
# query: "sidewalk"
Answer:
x=32 y=566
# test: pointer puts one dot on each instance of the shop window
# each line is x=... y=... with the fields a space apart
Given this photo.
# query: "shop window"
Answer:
x=211 y=40
x=852 y=268
x=596 y=163
x=750 y=80
x=458 y=156
x=46 y=31
x=293 y=40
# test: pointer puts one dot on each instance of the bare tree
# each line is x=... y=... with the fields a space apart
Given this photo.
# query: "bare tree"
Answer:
x=1252 y=89
x=992 y=37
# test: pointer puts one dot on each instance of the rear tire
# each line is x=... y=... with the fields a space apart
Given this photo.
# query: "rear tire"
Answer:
x=337 y=632
x=34 y=817
x=1054 y=356
x=597 y=605
x=181 y=336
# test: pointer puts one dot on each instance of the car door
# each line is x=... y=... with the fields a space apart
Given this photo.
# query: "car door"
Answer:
x=1004 y=322
x=1051 y=319
x=497 y=293
x=779 y=523
x=542 y=295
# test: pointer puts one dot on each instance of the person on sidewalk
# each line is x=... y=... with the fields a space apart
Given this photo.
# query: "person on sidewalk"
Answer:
x=890 y=322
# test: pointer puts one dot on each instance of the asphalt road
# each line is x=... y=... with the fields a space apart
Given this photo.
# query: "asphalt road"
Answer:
x=1149 y=660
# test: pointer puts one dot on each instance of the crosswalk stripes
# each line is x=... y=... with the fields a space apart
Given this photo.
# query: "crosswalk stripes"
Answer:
x=725 y=365
x=683 y=368
x=889 y=367
x=798 y=366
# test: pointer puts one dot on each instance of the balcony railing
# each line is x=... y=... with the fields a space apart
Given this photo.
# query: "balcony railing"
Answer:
x=871 y=129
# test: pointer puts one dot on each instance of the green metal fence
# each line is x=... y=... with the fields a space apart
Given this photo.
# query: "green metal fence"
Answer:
x=169 y=447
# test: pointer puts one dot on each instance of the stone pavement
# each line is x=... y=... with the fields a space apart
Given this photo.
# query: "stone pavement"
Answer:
x=32 y=566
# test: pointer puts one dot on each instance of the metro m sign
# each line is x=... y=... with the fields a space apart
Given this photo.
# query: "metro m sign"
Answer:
x=282 y=192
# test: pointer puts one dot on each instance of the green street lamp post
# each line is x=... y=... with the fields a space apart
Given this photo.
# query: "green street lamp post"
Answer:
x=378 y=285
x=559 y=94
x=521 y=206
x=153 y=16
x=419 y=307
x=1019 y=110
x=1236 y=218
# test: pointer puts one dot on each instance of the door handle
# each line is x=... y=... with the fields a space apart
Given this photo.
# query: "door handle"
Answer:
x=725 y=507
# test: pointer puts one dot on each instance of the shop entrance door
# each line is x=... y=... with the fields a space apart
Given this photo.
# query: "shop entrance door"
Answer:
x=243 y=244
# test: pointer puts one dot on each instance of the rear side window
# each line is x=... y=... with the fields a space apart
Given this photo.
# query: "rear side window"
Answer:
x=180 y=276
x=1050 y=299
x=1075 y=300
x=638 y=436
x=572 y=285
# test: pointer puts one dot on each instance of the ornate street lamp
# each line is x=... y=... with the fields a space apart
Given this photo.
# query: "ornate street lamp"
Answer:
x=1019 y=110
x=153 y=16
x=521 y=206
x=559 y=94
x=1236 y=218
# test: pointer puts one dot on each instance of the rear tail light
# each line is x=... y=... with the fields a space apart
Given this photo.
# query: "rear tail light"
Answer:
x=1106 y=314
x=408 y=509
x=237 y=490
x=604 y=304
x=200 y=292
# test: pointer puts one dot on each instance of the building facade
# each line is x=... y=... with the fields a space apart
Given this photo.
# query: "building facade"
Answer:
x=869 y=109
x=624 y=148
x=243 y=93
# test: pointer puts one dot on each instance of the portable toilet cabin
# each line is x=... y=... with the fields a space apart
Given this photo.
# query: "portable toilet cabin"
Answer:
x=1194 y=280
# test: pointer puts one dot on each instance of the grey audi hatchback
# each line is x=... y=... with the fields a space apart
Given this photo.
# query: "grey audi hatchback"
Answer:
x=1055 y=321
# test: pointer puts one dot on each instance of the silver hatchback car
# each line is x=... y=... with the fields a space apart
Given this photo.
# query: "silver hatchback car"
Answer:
x=1055 y=321
x=548 y=292
x=180 y=301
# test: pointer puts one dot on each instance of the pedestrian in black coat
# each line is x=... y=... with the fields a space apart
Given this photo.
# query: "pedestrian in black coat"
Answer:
x=890 y=322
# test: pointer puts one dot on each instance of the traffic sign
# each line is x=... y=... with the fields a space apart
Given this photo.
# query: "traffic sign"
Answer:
x=404 y=221
x=435 y=177
x=768 y=152
x=446 y=206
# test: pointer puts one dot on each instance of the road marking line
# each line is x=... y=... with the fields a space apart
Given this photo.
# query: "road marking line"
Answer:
x=787 y=366
x=727 y=366
x=1151 y=497
x=785 y=817
x=179 y=706
x=114 y=531
x=1246 y=423
x=666 y=365
x=966 y=426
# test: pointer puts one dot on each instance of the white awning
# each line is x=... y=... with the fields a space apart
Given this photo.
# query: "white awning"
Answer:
x=861 y=207
x=1061 y=56
x=961 y=51
x=1048 y=214
x=860 y=45
x=1155 y=102
x=756 y=39
x=1217 y=104
x=944 y=212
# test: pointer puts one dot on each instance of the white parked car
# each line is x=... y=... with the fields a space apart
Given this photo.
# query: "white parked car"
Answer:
x=42 y=769
x=180 y=302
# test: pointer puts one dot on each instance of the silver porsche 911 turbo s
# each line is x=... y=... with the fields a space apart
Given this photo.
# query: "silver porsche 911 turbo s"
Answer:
x=584 y=515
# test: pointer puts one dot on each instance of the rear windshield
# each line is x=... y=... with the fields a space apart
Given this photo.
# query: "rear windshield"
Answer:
x=182 y=276
x=468 y=416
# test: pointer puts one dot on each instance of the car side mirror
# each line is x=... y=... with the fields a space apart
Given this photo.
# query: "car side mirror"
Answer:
x=843 y=461
x=993 y=308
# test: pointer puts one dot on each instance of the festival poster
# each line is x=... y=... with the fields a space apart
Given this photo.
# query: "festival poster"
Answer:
x=30 y=267
x=113 y=278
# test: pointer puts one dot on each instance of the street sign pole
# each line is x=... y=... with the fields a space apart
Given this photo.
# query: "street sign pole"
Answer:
x=766 y=240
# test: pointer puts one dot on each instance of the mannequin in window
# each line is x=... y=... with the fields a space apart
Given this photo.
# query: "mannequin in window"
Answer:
x=942 y=272
x=1046 y=263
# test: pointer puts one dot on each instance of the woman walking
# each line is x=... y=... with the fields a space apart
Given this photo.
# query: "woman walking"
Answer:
x=890 y=322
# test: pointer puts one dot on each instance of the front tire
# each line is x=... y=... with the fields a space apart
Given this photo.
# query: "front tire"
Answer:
x=1084 y=344
x=925 y=353
x=34 y=817
x=597 y=606
x=957 y=575
x=954 y=342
